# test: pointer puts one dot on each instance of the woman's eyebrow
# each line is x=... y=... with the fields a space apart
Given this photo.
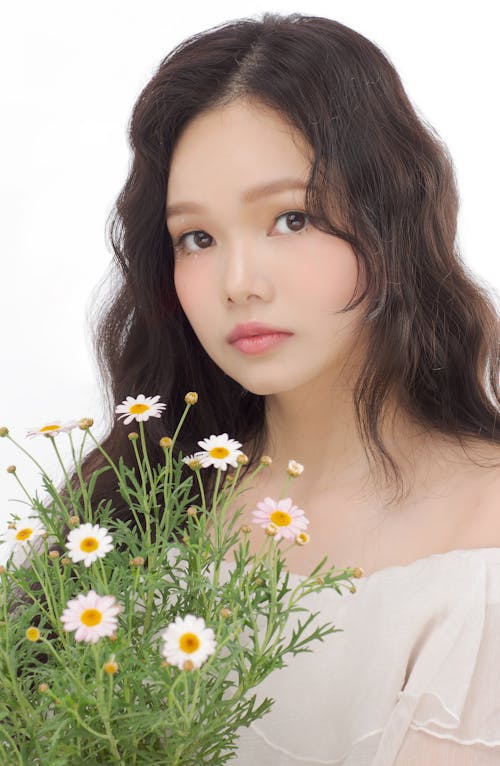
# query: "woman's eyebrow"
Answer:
x=249 y=195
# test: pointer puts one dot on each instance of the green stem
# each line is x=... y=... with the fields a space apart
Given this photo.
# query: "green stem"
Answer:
x=30 y=498
x=121 y=483
x=103 y=708
x=144 y=493
x=145 y=453
x=202 y=490
x=180 y=423
x=40 y=467
x=65 y=473
x=86 y=500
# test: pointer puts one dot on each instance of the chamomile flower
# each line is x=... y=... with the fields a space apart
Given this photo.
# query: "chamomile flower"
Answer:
x=221 y=451
x=187 y=642
x=140 y=408
x=288 y=518
x=52 y=428
x=91 y=616
x=195 y=460
x=23 y=531
x=87 y=543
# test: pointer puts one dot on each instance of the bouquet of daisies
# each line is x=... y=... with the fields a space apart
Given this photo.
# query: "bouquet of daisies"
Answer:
x=136 y=642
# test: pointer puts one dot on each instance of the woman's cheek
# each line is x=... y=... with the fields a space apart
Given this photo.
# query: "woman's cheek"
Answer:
x=190 y=287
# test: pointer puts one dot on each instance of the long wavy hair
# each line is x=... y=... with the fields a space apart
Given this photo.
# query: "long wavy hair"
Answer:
x=381 y=179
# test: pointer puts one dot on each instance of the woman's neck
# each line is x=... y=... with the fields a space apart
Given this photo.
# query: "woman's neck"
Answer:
x=320 y=432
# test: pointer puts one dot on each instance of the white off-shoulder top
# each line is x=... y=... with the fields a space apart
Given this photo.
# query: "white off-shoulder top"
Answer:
x=413 y=679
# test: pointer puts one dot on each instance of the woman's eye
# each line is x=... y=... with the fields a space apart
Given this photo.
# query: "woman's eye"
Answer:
x=193 y=241
x=292 y=221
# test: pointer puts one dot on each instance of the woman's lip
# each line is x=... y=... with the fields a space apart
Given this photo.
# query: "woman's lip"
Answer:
x=257 y=344
x=251 y=329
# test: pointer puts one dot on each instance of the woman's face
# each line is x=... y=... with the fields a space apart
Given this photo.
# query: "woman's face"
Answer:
x=245 y=252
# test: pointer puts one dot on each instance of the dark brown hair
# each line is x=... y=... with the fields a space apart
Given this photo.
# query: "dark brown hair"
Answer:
x=381 y=180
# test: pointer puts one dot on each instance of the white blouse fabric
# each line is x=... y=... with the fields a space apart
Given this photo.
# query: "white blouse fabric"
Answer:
x=413 y=679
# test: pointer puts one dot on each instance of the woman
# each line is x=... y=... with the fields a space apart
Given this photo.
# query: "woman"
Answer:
x=286 y=239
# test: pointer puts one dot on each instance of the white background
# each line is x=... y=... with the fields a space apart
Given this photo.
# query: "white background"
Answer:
x=71 y=72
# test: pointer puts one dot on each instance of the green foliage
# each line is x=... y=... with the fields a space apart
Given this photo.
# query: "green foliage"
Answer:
x=59 y=707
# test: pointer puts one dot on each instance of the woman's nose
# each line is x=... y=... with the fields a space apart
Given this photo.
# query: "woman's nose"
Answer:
x=245 y=276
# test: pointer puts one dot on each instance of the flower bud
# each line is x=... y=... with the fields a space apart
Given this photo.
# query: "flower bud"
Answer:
x=294 y=469
x=42 y=688
x=194 y=464
x=85 y=423
x=191 y=397
x=302 y=538
x=246 y=529
x=11 y=525
x=65 y=561
x=259 y=581
x=320 y=580
x=165 y=664
x=4 y=431
x=138 y=561
x=271 y=530
x=242 y=459
x=266 y=460
x=2 y=569
x=166 y=442
x=353 y=589
x=358 y=572
x=11 y=469
x=110 y=667
x=53 y=554
x=185 y=539
x=113 y=637
x=74 y=521
x=225 y=612
x=191 y=511
x=188 y=665
x=133 y=436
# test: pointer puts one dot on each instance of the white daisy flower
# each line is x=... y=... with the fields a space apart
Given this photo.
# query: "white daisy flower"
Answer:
x=221 y=451
x=141 y=408
x=187 y=642
x=288 y=518
x=88 y=542
x=52 y=428
x=23 y=531
x=91 y=616
x=195 y=459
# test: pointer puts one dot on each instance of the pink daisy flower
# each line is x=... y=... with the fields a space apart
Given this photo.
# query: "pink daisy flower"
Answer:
x=288 y=518
x=91 y=616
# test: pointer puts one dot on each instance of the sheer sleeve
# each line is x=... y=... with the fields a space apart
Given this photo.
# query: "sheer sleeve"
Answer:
x=448 y=709
x=422 y=749
x=456 y=721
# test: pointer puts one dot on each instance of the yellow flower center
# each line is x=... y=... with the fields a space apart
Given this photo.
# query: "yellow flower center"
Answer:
x=138 y=409
x=280 y=518
x=219 y=452
x=32 y=634
x=91 y=617
x=23 y=534
x=89 y=544
x=189 y=642
x=49 y=428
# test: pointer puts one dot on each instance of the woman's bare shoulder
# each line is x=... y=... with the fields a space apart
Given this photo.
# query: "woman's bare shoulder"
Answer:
x=486 y=472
